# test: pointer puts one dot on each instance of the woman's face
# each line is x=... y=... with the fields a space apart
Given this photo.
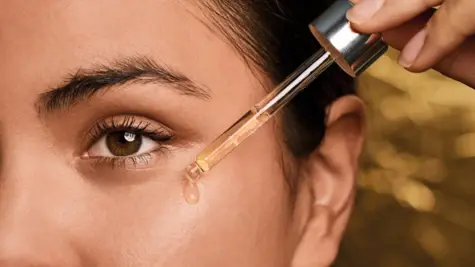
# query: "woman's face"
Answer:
x=102 y=106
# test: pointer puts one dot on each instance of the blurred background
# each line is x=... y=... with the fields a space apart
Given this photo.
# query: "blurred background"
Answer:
x=416 y=198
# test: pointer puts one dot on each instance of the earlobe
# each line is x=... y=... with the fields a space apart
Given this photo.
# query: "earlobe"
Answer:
x=316 y=247
x=330 y=177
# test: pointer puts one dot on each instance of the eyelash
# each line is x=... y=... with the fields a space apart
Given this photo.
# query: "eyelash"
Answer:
x=132 y=124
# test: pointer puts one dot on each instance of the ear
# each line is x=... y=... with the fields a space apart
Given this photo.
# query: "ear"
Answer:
x=325 y=197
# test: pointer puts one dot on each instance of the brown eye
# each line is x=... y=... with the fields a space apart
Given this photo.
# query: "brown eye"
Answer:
x=123 y=144
x=126 y=137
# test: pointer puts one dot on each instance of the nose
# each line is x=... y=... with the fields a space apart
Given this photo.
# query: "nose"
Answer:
x=31 y=228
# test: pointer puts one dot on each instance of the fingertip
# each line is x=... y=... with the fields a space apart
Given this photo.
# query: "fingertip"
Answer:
x=412 y=50
x=363 y=12
x=420 y=64
x=431 y=44
x=415 y=68
x=360 y=28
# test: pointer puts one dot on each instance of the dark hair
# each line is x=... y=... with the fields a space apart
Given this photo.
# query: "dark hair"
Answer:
x=273 y=37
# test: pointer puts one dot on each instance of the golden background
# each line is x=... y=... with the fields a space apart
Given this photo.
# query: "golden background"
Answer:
x=415 y=204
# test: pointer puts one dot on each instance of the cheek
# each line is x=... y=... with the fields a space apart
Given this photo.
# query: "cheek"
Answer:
x=135 y=225
x=241 y=219
x=246 y=205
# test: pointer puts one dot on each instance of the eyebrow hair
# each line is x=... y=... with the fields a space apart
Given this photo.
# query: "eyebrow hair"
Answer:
x=86 y=83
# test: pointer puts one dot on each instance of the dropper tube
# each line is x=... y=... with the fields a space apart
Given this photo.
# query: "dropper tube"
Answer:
x=353 y=52
x=259 y=114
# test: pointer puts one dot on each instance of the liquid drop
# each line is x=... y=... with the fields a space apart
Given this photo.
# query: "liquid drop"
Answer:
x=191 y=192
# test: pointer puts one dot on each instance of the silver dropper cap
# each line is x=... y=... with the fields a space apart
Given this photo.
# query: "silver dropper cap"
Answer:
x=353 y=52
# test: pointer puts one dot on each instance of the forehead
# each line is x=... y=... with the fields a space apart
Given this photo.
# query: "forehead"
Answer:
x=41 y=41
x=94 y=25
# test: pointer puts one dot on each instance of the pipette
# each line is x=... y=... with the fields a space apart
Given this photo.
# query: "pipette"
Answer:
x=353 y=52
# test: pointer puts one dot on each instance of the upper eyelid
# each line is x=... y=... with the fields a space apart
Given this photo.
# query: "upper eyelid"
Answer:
x=127 y=122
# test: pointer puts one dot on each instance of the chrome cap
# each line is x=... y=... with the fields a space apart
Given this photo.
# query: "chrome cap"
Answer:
x=353 y=52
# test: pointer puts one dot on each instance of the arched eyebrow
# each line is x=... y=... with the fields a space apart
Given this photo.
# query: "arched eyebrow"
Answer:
x=85 y=83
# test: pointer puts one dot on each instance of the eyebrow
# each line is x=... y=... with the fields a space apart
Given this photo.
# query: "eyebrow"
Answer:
x=85 y=83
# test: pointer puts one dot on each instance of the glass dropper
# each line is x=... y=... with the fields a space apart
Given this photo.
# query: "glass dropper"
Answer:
x=353 y=52
x=259 y=114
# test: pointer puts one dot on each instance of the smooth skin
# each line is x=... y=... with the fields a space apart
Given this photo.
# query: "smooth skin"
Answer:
x=58 y=208
x=441 y=38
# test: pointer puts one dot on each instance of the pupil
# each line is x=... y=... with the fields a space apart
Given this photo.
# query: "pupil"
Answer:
x=122 y=144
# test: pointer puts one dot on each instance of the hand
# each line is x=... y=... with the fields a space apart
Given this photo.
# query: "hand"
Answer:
x=441 y=38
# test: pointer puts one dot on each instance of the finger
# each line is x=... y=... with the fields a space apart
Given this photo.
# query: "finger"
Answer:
x=399 y=36
x=372 y=16
x=457 y=65
x=447 y=29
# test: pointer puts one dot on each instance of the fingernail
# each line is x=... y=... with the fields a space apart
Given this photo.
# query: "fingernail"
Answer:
x=364 y=11
x=412 y=49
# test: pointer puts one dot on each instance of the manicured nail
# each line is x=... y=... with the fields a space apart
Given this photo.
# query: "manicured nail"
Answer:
x=412 y=49
x=364 y=11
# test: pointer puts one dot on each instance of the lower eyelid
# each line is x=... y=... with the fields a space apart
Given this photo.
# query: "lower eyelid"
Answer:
x=140 y=162
x=144 y=161
x=107 y=173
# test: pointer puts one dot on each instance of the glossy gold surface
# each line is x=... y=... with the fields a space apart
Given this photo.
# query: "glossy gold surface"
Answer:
x=416 y=199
